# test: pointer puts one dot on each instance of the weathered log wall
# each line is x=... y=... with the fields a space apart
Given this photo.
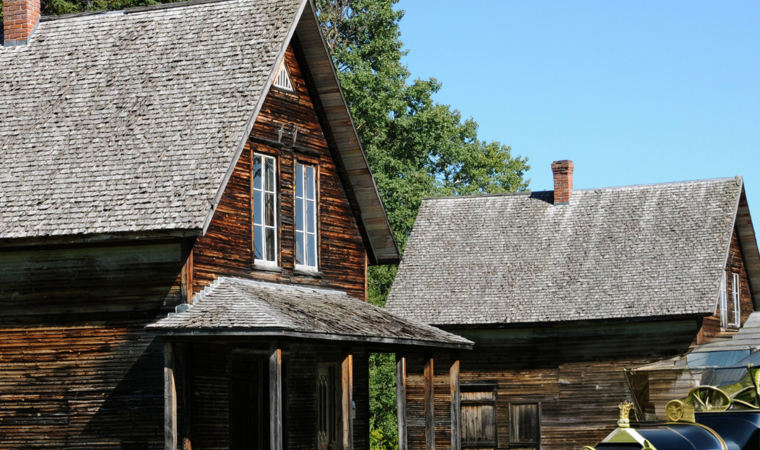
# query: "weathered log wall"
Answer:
x=576 y=373
x=77 y=368
x=226 y=249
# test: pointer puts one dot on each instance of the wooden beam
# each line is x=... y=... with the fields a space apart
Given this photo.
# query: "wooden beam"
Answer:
x=347 y=401
x=275 y=397
x=401 y=400
x=456 y=412
x=170 y=399
x=429 y=404
x=184 y=398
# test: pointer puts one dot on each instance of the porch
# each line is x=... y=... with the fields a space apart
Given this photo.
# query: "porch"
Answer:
x=255 y=365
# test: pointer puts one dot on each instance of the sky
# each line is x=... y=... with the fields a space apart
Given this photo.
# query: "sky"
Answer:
x=633 y=92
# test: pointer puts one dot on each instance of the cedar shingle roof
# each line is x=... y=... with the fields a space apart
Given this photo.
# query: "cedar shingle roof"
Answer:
x=638 y=251
x=233 y=306
x=129 y=121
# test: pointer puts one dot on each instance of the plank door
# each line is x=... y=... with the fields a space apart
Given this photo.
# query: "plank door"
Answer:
x=249 y=406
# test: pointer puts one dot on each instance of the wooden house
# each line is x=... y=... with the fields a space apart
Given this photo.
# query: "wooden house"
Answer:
x=564 y=290
x=186 y=221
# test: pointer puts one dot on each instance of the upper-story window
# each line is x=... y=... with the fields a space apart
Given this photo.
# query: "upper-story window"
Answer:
x=730 y=307
x=264 y=209
x=306 y=217
x=736 y=294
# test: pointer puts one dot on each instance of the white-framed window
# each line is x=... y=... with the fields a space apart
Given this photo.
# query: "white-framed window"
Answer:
x=264 y=210
x=736 y=294
x=723 y=302
x=282 y=80
x=306 y=217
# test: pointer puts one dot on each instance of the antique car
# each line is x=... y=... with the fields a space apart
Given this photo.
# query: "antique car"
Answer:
x=708 y=418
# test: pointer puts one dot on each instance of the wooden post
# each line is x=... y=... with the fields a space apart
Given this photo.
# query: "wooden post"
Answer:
x=456 y=412
x=170 y=399
x=347 y=401
x=401 y=400
x=429 y=403
x=275 y=397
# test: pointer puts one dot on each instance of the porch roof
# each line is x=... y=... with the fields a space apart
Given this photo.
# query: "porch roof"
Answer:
x=237 y=307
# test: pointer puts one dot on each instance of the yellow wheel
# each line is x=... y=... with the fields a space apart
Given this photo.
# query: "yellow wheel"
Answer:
x=708 y=398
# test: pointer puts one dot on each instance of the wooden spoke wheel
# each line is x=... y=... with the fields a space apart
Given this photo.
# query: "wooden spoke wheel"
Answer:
x=708 y=398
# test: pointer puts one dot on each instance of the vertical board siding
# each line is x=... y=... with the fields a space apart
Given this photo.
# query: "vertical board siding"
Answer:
x=210 y=378
x=77 y=368
x=226 y=249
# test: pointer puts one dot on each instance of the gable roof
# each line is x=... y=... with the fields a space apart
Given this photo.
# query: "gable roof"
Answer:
x=232 y=306
x=133 y=121
x=629 y=252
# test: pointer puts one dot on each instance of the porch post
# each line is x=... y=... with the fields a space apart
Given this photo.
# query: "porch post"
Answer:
x=401 y=400
x=456 y=412
x=170 y=399
x=275 y=397
x=429 y=403
x=347 y=401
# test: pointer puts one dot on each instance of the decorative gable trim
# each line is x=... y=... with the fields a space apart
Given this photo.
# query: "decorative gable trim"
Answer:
x=282 y=80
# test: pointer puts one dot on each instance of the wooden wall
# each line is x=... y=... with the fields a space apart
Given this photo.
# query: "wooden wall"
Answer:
x=77 y=368
x=575 y=371
x=208 y=391
x=226 y=249
x=734 y=264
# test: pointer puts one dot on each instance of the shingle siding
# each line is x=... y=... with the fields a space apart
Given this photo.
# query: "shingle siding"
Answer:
x=638 y=251
x=129 y=122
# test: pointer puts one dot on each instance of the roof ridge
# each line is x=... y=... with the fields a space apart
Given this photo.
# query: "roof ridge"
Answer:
x=606 y=188
x=132 y=10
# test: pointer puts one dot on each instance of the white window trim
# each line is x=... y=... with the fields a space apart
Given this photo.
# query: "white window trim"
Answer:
x=305 y=267
x=736 y=294
x=723 y=302
x=264 y=263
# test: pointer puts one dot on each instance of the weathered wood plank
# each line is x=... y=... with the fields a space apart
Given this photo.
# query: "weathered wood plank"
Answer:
x=170 y=399
x=347 y=401
x=429 y=404
x=401 y=400
x=456 y=413
x=275 y=397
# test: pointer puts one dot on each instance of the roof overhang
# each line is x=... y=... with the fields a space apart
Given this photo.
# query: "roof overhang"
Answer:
x=748 y=243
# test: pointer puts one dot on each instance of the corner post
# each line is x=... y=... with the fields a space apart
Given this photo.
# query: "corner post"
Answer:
x=456 y=412
x=429 y=375
x=275 y=397
x=401 y=400
x=170 y=399
x=347 y=401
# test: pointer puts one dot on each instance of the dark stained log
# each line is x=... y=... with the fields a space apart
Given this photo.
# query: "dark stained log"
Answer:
x=429 y=404
x=170 y=399
x=456 y=413
x=401 y=400
x=275 y=397
x=227 y=247
x=347 y=388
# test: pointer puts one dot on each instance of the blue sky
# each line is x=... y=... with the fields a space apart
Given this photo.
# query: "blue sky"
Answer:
x=632 y=92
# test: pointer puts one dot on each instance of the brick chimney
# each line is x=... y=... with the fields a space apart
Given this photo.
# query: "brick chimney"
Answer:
x=19 y=19
x=563 y=181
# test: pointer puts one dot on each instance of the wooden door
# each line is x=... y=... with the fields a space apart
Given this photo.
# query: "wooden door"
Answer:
x=249 y=406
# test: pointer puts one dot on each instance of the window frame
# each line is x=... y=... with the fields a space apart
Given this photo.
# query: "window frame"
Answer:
x=265 y=263
x=315 y=218
x=284 y=68
x=480 y=387
x=723 y=301
x=514 y=443
x=737 y=300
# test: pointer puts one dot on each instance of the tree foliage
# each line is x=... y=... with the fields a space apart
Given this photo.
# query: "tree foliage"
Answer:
x=416 y=147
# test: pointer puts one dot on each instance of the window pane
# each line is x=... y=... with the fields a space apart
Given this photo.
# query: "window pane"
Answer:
x=299 y=180
x=270 y=174
x=258 y=242
x=312 y=250
x=257 y=172
x=299 y=248
x=257 y=207
x=269 y=233
x=310 y=216
x=309 y=181
x=269 y=206
x=299 y=214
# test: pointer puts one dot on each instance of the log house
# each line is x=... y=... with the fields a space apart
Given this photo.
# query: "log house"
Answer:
x=188 y=217
x=576 y=300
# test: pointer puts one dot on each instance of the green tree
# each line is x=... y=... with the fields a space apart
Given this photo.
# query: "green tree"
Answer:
x=416 y=147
